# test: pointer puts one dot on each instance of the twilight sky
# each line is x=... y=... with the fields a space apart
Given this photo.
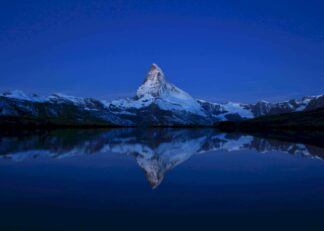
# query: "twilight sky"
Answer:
x=216 y=50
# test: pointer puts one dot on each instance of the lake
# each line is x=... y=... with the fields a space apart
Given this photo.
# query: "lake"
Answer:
x=159 y=179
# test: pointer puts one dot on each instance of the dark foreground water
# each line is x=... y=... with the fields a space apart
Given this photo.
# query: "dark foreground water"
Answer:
x=158 y=179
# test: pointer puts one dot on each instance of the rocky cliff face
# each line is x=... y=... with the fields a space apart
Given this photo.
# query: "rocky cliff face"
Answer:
x=156 y=103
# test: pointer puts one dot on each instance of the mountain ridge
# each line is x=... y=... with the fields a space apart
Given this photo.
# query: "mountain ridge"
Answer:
x=156 y=103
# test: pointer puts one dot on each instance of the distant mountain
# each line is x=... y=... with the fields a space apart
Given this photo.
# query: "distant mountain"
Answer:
x=300 y=120
x=156 y=103
x=57 y=109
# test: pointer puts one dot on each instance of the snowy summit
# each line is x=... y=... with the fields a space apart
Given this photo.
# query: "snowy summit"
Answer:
x=154 y=83
x=167 y=96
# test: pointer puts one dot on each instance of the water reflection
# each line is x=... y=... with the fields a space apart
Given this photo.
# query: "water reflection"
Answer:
x=156 y=151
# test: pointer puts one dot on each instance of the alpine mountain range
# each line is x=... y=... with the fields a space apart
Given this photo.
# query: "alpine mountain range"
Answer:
x=156 y=103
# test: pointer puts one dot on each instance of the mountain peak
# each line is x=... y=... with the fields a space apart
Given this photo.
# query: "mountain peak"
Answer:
x=155 y=66
x=168 y=97
x=154 y=82
x=155 y=73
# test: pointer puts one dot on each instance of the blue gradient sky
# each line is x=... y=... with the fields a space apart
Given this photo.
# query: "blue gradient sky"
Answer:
x=216 y=50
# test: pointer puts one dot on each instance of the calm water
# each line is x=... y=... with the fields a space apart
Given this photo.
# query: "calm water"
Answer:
x=159 y=179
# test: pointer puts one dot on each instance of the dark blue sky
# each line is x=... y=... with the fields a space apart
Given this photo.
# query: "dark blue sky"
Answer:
x=216 y=50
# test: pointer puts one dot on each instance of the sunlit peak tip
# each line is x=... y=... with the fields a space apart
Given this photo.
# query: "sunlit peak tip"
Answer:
x=154 y=66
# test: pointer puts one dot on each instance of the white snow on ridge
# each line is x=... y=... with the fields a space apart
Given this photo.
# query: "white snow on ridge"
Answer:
x=230 y=108
x=132 y=103
x=303 y=103
x=20 y=95
x=236 y=108
x=62 y=97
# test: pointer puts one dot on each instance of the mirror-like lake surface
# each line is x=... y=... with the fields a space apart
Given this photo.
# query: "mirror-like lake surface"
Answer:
x=159 y=179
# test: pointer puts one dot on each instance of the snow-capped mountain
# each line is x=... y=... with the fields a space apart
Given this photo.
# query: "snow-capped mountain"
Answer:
x=56 y=109
x=156 y=89
x=156 y=103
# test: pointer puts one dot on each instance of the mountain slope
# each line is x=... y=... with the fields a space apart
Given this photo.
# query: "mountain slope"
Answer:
x=56 y=109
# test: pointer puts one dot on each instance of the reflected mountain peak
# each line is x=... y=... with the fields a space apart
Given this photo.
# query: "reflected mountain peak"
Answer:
x=153 y=169
x=156 y=151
